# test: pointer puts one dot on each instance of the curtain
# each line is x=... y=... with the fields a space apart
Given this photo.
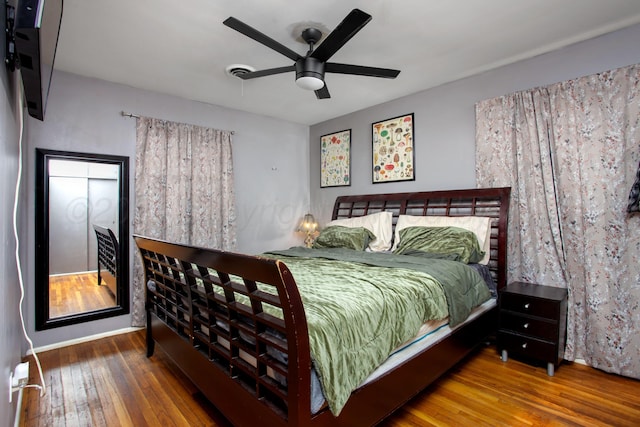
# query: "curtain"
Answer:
x=183 y=190
x=634 y=194
x=569 y=152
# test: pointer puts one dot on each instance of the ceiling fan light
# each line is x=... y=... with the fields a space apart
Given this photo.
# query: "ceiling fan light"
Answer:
x=309 y=83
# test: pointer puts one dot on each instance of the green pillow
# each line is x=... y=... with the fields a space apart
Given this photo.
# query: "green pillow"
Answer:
x=453 y=243
x=338 y=236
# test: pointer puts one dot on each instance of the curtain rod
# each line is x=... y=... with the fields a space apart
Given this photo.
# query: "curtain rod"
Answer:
x=125 y=114
x=136 y=116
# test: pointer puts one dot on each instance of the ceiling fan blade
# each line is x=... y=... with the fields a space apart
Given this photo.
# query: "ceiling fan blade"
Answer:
x=250 y=32
x=348 y=28
x=267 y=72
x=359 y=70
x=323 y=92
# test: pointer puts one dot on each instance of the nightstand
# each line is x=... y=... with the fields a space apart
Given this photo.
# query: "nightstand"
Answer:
x=533 y=323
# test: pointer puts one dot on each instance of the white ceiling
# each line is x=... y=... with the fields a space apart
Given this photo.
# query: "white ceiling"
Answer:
x=181 y=47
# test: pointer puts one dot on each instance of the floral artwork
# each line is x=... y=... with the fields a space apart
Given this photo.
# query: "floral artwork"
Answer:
x=335 y=159
x=393 y=155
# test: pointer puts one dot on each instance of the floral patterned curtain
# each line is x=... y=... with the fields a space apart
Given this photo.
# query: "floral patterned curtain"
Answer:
x=634 y=194
x=183 y=190
x=569 y=152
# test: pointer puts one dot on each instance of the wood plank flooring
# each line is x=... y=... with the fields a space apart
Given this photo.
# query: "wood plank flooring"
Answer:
x=78 y=293
x=110 y=382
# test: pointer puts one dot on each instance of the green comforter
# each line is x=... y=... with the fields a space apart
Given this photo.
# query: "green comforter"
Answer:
x=359 y=309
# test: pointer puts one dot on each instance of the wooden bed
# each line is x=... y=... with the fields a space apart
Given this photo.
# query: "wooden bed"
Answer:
x=108 y=257
x=179 y=312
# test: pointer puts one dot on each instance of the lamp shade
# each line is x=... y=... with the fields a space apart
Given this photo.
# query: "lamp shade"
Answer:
x=308 y=224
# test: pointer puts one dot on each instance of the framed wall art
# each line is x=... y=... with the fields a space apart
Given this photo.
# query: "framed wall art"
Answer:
x=393 y=150
x=335 y=159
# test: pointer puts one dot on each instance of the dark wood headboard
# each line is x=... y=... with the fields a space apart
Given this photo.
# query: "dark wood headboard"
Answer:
x=487 y=202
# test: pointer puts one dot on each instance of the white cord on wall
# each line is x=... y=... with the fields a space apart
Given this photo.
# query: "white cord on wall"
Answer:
x=16 y=422
x=42 y=387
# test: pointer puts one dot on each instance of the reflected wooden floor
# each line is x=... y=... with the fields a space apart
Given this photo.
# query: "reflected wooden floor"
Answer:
x=110 y=382
x=77 y=293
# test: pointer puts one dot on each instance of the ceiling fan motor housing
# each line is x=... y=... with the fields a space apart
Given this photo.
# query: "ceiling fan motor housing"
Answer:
x=309 y=67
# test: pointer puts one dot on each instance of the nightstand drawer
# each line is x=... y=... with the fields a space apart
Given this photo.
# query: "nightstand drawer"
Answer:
x=538 y=328
x=528 y=305
x=527 y=346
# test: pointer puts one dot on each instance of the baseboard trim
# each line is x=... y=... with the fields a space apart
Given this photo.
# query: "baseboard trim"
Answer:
x=82 y=339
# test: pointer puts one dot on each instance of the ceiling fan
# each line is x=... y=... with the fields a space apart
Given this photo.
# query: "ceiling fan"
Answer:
x=311 y=67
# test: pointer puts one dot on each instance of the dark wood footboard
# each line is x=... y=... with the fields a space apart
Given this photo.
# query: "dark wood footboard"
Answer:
x=108 y=257
x=210 y=312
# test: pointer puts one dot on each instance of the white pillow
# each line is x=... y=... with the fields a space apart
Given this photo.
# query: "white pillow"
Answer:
x=480 y=225
x=380 y=224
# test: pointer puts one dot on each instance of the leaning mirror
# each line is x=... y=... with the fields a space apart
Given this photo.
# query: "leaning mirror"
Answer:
x=82 y=237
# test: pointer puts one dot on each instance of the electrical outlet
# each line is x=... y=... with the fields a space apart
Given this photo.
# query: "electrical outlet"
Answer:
x=18 y=379
x=21 y=374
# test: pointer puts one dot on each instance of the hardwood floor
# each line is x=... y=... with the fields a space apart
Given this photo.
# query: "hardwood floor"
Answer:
x=110 y=382
x=77 y=293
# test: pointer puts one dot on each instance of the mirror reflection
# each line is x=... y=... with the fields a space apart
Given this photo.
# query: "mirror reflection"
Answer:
x=81 y=195
x=81 y=236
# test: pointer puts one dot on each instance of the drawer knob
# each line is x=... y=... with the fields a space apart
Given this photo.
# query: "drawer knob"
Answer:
x=525 y=326
x=524 y=345
x=526 y=306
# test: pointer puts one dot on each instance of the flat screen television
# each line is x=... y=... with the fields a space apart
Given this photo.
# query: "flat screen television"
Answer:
x=37 y=26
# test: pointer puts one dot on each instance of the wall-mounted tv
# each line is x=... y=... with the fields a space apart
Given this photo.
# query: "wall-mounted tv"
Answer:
x=37 y=26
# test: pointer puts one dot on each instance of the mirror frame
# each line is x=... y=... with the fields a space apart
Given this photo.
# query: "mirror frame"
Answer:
x=43 y=320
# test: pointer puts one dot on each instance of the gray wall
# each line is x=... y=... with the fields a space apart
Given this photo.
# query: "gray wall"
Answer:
x=445 y=118
x=270 y=165
x=10 y=329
